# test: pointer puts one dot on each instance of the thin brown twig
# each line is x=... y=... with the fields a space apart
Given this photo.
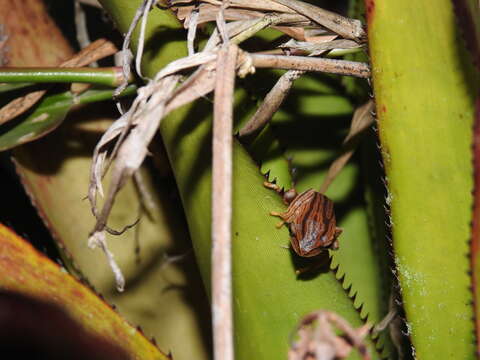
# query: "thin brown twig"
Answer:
x=133 y=131
x=345 y=27
x=279 y=92
x=129 y=158
x=317 y=338
x=192 y=31
x=222 y=311
x=315 y=49
x=270 y=104
x=126 y=53
x=209 y=12
x=332 y=66
x=93 y=3
x=81 y=27
x=220 y=21
x=141 y=37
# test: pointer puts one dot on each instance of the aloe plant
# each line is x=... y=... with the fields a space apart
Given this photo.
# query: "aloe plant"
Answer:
x=417 y=264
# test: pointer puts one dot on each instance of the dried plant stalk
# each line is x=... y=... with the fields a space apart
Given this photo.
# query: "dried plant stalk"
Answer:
x=222 y=311
x=261 y=5
x=345 y=27
x=318 y=340
x=135 y=130
x=217 y=65
x=270 y=104
x=279 y=92
x=341 y=67
x=81 y=26
x=93 y=3
x=314 y=49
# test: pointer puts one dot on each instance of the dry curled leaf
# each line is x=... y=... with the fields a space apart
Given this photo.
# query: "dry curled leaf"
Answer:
x=222 y=201
x=95 y=51
x=318 y=340
x=133 y=131
x=345 y=27
x=317 y=48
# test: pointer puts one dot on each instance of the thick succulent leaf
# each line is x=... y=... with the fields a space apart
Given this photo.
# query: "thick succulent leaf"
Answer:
x=468 y=18
x=313 y=137
x=268 y=297
x=28 y=19
x=48 y=115
x=373 y=177
x=164 y=291
x=31 y=328
x=160 y=289
x=266 y=150
x=475 y=243
x=468 y=13
x=28 y=272
x=425 y=91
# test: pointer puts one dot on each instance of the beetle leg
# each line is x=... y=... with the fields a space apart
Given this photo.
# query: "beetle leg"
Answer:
x=280 y=224
x=272 y=186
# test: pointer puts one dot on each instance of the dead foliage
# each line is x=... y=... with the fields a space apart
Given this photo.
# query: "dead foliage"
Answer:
x=317 y=338
x=95 y=51
x=314 y=34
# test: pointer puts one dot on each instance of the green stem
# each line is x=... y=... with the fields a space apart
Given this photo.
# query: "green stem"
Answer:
x=111 y=76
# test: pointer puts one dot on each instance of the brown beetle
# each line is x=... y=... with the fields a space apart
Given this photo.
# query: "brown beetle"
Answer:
x=311 y=221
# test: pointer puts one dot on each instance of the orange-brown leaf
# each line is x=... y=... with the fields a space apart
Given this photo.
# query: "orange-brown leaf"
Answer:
x=28 y=272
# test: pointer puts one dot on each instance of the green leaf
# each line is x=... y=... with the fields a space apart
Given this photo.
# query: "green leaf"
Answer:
x=425 y=91
x=313 y=137
x=163 y=287
x=268 y=297
x=30 y=273
x=266 y=150
x=48 y=115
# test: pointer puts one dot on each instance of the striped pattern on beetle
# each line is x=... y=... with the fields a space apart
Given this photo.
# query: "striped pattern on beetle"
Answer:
x=311 y=220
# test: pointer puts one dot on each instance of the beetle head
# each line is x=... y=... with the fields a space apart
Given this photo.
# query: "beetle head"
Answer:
x=289 y=196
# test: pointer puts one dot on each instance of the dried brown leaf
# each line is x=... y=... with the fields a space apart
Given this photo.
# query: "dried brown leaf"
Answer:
x=135 y=130
x=317 y=339
x=240 y=10
x=270 y=104
x=319 y=47
x=199 y=84
x=262 y=5
x=95 y=51
x=20 y=105
x=345 y=27
x=279 y=92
